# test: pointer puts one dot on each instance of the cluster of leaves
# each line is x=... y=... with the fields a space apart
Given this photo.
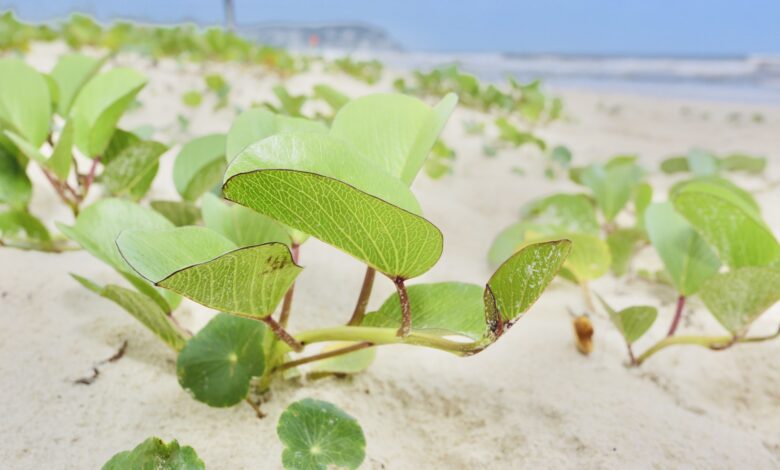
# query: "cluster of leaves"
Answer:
x=702 y=163
x=527 y=100
x=214 y=84
x=56 y=120
x=347 y=185
x=184 y=41
x=291 y=105
x=710 y=236
x=316 y=435
x=589 y=220
x=369 y=71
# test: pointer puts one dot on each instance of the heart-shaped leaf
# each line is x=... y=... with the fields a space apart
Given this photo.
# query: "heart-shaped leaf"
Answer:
x=218 y=363
x=206 y=267
x=395 y=132
x=482 y=315
x=257 y=124
x=70 y=74
x=687 y=257
x=199 y=166
x=318 y=435
x=632 y=322
x=25 y=101
x=315 y=183
x=154 y=454
x=99 y=106
x=142 y=308
x=736 y=298
x=240 y=224
x=612 y=184
x=730 y=225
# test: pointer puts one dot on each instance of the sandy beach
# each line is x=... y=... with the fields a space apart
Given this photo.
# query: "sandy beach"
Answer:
x=529 y=401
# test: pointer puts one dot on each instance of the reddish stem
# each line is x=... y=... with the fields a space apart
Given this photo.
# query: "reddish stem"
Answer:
x=326 y=355
x=406 y=310
x=677 y=315
x=365 y=294
x=90 y=177
x=282 y=334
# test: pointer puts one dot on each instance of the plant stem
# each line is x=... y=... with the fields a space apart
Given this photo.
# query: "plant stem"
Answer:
x=325 y=355
x=282 y=334
x=631 y=356
x=380 y=336
x=406 y=309
x=677 y=315
x=60 y=188
x=90 y=177
x=256 y=408
x=284 y=317
x=365 y=294
x=587 y=297
x=716 y=343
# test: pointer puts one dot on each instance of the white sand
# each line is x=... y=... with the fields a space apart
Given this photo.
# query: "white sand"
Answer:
x=530 y=401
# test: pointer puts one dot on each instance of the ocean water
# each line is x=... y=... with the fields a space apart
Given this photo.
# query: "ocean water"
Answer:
x=751 y=79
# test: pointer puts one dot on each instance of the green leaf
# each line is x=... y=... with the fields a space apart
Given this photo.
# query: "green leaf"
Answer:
x=315 y=183
x=612 y=185
x=98 y=226
x=62 y=155
x=240 y=224
x=351 y=363
x=257 y=124
x=709 y=181
x=730 y=225
x=687 y=257
x=180 y=213
x=218 y=363
x=335 y=99
x=622 y=245
x=70 y=74
x=206 y=267
x=142 y=308
x=589 y=258
x=643 y=196
x=482 y=315
x=28 y=150
x=439 y=308
x=192 y=98
x=154 y=454
x=702 y=163
x=742 y=162
x=199 y=166
x=736 y=298
x=632 y=322
x=394 y=132
x=317 y=435
x=675 y=165
x=131 y=167
x=15 y=221
x=99 y=106
x=563 y=213
x=516 y=137
x=15 y=186
x=25 y=101
x=506 y=243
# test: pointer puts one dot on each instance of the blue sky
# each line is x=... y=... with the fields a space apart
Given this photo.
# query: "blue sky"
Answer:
x=644 y=27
